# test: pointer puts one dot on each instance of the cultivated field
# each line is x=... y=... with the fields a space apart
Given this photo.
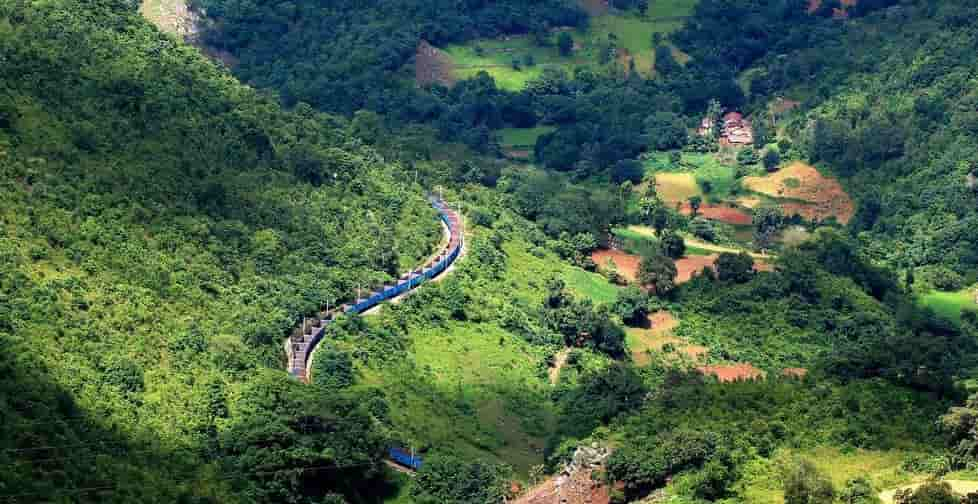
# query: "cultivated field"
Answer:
x=633 y=33
x=655 y=335
x=800 y=188
x=676 y=187
x=522 y=137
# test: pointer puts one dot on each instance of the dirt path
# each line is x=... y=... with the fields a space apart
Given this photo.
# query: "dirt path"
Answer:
x=692 y=241
x=559 y=360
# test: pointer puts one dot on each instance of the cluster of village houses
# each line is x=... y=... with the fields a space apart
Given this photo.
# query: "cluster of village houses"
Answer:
x=735 y=130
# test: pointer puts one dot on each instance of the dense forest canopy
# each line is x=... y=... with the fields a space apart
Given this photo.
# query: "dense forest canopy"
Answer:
x=165 y=227
x=349 y=55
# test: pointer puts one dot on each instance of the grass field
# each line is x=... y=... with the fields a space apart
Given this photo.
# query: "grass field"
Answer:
x=703 y=168
x=592 y=285
x=497 y=60
x=637 y=238
x=677 y=187
x=761 y=484
x=632 y=31
x=950 y=305
x=514 y=137
x=474 y=388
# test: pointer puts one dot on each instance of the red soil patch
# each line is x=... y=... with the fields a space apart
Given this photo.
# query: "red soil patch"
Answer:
x=794 y=372
x=693 y=265
x=578 y=488
x=432 y=66
x=521 y=154
x=686 y=267
x=722 y=213
x=732 y=372
x=627 y=264
x=808 y=192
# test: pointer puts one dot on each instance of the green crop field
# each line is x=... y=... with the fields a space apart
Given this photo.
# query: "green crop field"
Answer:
x=591 y=285
x=496 y=59
x=511 y=137
x=632 y=31
x=704 y=168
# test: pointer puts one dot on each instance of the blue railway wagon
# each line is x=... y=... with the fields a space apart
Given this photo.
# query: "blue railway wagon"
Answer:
x=407 y=282
x=405 y=458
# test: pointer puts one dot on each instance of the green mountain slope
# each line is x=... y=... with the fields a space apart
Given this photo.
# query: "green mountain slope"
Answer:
x=163 y=229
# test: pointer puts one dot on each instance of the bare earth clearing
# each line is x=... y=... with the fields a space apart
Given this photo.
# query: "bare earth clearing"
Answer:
x=559 y=360
x=655 y=335
x=433 y=66
x=721 y=213
x=686 y=267
x=726 y=373
x=170 y=16
x=808 y=192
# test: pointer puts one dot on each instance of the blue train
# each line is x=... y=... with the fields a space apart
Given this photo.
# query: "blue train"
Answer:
x=405 y=458
x=299 y=347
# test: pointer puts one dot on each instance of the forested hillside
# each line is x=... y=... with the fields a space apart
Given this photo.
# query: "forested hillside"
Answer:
x=164 y=228
x=786 y=320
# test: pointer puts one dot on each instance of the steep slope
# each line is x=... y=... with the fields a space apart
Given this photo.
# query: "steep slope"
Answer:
x=163 y=229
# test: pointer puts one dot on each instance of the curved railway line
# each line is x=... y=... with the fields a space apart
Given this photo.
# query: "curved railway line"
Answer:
x=301 y=344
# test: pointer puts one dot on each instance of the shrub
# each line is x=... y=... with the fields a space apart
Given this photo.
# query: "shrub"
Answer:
x=737 y=268
x=702 y=228
x=672 y=245
x=747 y=156
x=804 y=484
x=659 y=272
x=632 y=305
x=771 y=160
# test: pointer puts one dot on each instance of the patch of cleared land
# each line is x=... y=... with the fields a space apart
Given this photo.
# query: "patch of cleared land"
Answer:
x=642 y=341
x=433 y=66
x=632 y=32
x=686 y=267
x=676 y=188
x=696 y=243
x=801 y=189
x=726 y=373
x=763 y=485
x=170 y=16
x=720 y=213
x=959 y=487
x=513 y=138
x=626 y=264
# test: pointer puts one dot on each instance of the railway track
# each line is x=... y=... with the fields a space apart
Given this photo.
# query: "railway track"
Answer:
x=301 y=344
